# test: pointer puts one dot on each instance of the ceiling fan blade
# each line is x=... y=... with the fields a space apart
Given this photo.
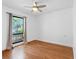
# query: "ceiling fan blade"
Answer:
x=39 y=10
x=36 y=3
x=41 y=6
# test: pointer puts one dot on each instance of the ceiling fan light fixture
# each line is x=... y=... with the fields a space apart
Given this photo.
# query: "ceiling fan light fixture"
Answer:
x=35 y=9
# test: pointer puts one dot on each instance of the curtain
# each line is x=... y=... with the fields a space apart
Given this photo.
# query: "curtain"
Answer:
x=9 y=41
x=25 y=35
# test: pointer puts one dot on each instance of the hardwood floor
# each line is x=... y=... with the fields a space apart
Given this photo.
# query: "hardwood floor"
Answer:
x=39 y=50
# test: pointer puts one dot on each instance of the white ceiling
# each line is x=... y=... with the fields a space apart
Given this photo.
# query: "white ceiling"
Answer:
x=52 y=5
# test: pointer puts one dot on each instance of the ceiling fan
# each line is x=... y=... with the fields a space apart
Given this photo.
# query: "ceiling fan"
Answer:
x=35 y=7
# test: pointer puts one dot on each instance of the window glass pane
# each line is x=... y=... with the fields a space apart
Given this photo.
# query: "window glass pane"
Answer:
x=17 y=25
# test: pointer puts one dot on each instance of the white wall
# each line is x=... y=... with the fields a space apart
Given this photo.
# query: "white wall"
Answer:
x=4 y=29
x=57 y=27
x=32 y=28
x=31 y=25
x=74 y=29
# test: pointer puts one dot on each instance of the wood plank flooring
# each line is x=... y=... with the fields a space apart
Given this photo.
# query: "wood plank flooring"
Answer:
x=39 y=50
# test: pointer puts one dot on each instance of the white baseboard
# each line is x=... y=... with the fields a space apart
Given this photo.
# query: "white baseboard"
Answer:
x=50 y=42
x=56 y=43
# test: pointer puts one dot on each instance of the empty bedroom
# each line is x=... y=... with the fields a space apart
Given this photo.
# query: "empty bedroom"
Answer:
x=38 y=29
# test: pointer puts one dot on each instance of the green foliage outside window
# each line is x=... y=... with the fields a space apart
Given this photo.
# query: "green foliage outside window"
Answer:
x=17 y=25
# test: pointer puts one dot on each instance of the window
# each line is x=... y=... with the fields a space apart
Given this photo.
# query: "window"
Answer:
x=17 y=29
